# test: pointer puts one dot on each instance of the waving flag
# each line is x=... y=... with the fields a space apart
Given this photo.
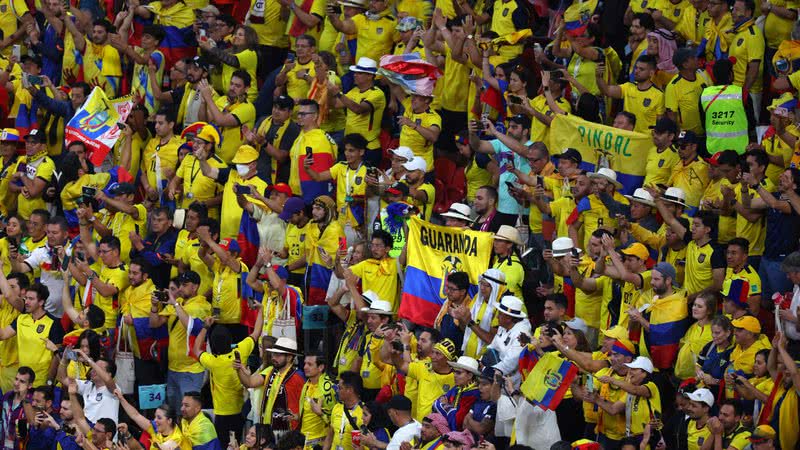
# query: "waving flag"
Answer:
x=409 y=71
x=95 y=124
x=248 y=239
x=668 y=323
x=578 y=15
x=527 y=360
x=433 y=253
x=148 y=343
x=548 y=381
x=193 y=329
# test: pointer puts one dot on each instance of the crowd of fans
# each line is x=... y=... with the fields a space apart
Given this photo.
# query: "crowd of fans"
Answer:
x=229 y=275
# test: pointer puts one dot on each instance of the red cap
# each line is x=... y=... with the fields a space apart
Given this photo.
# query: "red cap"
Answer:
x=282 y=188
x=714 y=160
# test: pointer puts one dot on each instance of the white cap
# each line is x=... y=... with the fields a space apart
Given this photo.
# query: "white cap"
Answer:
x=459 y=211
x=562 y=246
x=702 y=395
x=378 y=306
x=577 y=324
x=365 y=65
x=641 y=195
x=641 y=362
x=417 y=163
x=403 y=152
x=608 y=174
x=511 y=306
x=466 y=363
x=674 y=195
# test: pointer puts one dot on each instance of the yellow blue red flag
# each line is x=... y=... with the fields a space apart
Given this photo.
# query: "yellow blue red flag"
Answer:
x=624 y=151
x=433 y=253
x=95 y=124
x=548 y=381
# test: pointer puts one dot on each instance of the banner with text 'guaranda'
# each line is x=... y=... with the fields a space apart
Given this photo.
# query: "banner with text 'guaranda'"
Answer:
x=623 y=151
x=433 y=253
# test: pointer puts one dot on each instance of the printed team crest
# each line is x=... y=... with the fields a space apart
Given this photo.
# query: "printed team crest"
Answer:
x=646 y=102
x=418 y=121
x=445 y=388
x=644 y=4
x=40 y=329
x=99 y=396
x=379 y=30
x=3 y=8
x=677 y=12
x=505 y=12
x=450 y=264
x=358 y=180
x=302 y=237
x=740 y=42
x=701 y=258
x=553 y=379
x=700 y=441
x=660 y=163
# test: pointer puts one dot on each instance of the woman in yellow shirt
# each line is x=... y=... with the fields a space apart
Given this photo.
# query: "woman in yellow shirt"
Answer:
x=15 y=230
x=697 y=336
x=240 y=56
x=759 y=386
x=166 y=434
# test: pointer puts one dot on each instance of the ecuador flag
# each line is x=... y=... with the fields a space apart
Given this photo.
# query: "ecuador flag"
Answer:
x=548 y=381
x=434 y=252
x=668 y=319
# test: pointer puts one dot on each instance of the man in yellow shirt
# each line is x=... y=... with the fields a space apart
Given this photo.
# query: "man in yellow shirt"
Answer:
x=101 y=62
x=31 y=179
x=13 y=304
x=317 y=400
x=641 y=98
x=691 y=173
x=420 y=193
x=747 y=47
x=420 y=127
x=717 y=37
x=374 y=29
x=185 y=373
x=751 y=223
x=230 y=113
x=698 y=430
x=190 y=184
x=343 y=424
x=120 y=218
x=663 y=157
x=738 y=268
x=365 y=104
x=297 y=74
x=379 y=273
x=160 y=157
x=109 y=281
x=682 y=93
x=134 y=303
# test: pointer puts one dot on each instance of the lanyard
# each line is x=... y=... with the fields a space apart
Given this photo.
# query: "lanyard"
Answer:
x=193 y=174
x=348 y=184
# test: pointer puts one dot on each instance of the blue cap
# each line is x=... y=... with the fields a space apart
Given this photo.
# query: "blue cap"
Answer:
x=292 y=206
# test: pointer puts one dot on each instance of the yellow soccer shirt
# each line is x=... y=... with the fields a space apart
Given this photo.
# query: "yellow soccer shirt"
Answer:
x=31 y=335
x=455 y=83
x=297 y=87
x=748 y=46
x=231 y=211
x=692 y=25
x=658 y=169
x=503 y=24
x=176 y=437
x=179 y=360
x=778 y=29
x=340 y=425
x=682 y=96
x=135 y=301
x=121 y=224
x=611 y=425
x=160 y=156
x=226 y=390
x=375 y=36
x=8 y=348
x=589 y=306
x=560 y=209
x=749 y=274
x=674 y=11
x=698 y=275
x=72 y=191
x=311 y=425
x=380 y=277
x=11 y=11
x=227 y=290
x=102 y=67
x=692 y=178
x=692 y=344
x=368 y=124
x=412 y=139
x=117 y=277
x=754 y=232
x=638 y=6
x=726 y=229
x=426 y=208
x=349 y=343
x=138 y=144
x=775 y=146
x=369 y=352
x=351 y=186
x=540 y=132
x=196 y=186
x=270 y=25
x=631 y=296
x=647 y=104
x=232 y=137
x=430 y=386
x=42 y=168
x=743 y=359
x=295 y=236
x=643 y=410
x=248 y=61
x=320 y=143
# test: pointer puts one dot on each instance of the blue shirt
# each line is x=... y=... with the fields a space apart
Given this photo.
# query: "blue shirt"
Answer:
x=505 y=202
x=783 y=231
x=153 y=246
x=42 y=439
x=715 y=362
x=448 y=329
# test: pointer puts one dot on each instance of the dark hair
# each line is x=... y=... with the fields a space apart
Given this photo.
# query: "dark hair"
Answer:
x=242 y=75
x=212 y=224
x=749 y=5
x=740 y=242
x=380 y=418
x=795 y=172
x=43 y=213
x=312 y=41
x=163 y=210
x=722 y=322
x=25 y=370
x=109 y=425
x=650 y=60
x=710 y=220
x=60 y=221
x=112 y=366
x=541 y=147
x=559 y=299
x=169 y=114
x=356 y=140
x=84 y=86
x=319 y=359
x=738 y=408
x=105 y=24
x=170 y=413
x=460 y=279
x=712 y=298
x=96 y=316
x=560 y=445
x=22 y=279
x=228 y=20
x=645 y=20
x=491 y=190
x=70 y=166
x=436 y=336
x=628 y=115
x=600 y=232
x=47 y=391
x=761 y=157
x=309 y=102
x=250 y=36
x=111 y=241
x=194 y=395
x=588 y=107
x=722 y=71
x=42 y=292
x=220 y=340
x=330 y=60
x=290 y=440
x=200 y=208
x=93 y=339
x=143 y=264
x=384 y=236
x=763 y=352
x=353 y=380
x=157 y=31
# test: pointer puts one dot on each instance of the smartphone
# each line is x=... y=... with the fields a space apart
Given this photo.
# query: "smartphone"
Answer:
x=16 y=51
x=161 y=295
x=478 y=125
x=244 y=190
x=397 y=346
x=574 y=252
x=336 y=9
x=309 y=152
x=65 y=263
x=374 y=172
x=202 y=33
x=511 y=186
x=540 y=181
x=342 y=244
x=79 y=256
x=70 y=354
x=215 y=312
x=515 y=99
x=290 y=57
x=238 y=358
x=35 y=80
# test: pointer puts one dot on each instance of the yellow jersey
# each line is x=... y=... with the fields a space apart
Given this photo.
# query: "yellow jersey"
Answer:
x=647 y=104
x=43 y=169
x=754 y=232
x=8 y=348
x=248 y=61
x=682 y=96
x=102 y=67
x=375 y=35
x=196 y=186
x=227 y=392
x=351 y=186
x=269 y=24
x=540 y=132
x=659 y=165
x=231 y=211
x=748 y=46
x=367 y=124
x=610 y=425
x=455 y=83
x=381 y=277
x=117 y=277
x=160 y=160
x=227 y=291
x=311 y=425
x=178 y=355
x=430 y=386
x=412 y=139
x=121 y=224
x=232 y=137
x=749 y=274
x=692 y=178
x=778 y=29
x=700 y=262
x=31 y=334
x=340 y=425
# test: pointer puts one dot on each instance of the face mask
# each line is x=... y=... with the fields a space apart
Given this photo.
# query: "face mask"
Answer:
x=242 y=170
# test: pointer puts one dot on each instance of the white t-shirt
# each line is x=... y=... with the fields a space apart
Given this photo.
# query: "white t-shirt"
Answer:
x=790 y=328
x=406 y=433
x=506 y=413
x=42 y=259
x=98 y=402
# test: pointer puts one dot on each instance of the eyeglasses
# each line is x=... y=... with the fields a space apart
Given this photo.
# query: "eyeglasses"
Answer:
x=304 y=113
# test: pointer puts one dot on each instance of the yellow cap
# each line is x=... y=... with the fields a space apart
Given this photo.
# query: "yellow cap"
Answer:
x=748 y=323
x=616 y=332
x=638 y=250
x=245 y=155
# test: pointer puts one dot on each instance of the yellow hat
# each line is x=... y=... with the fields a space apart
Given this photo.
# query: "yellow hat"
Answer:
x=784 y=105
x=204 y=131
x=638 y=250
x=748 y=323
x=447 y=348
x=616 y=332
x=245 y=155
x=762 y=433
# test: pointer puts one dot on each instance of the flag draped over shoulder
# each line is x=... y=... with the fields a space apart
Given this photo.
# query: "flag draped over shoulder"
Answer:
x=433 y=253
x=548 y=381
x=148 y=343
x=409 y=71
x=248 y=239
x=95 y=124
x=668 y=319
x=626 y=151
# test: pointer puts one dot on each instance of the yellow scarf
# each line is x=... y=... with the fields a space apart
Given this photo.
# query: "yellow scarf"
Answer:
x=788 y=423
x=274 y=389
